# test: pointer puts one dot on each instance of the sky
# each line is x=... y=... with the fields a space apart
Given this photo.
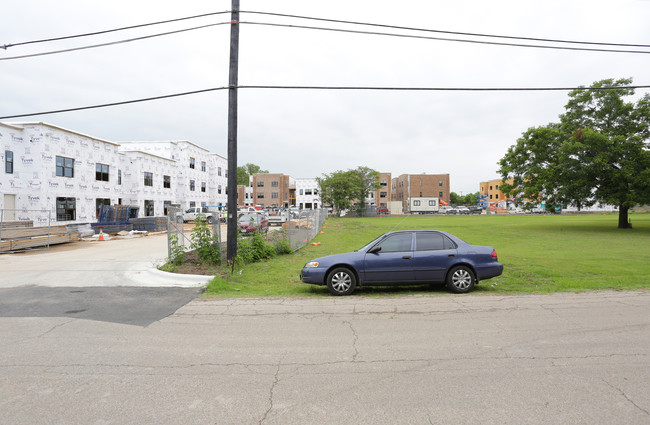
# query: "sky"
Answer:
x=307 y=133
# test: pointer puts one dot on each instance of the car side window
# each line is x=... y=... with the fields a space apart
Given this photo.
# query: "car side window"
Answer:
x=432 y=242
x=396 y=243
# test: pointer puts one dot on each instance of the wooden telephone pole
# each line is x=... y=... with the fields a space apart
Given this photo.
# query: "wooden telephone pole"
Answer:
x=232 y=132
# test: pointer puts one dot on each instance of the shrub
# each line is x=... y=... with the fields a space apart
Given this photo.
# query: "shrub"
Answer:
x=204 y=242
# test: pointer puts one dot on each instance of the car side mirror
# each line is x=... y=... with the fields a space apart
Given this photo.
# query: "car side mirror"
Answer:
x=375 y=249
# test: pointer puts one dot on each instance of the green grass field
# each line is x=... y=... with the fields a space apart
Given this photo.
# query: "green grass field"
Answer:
x=540 y=254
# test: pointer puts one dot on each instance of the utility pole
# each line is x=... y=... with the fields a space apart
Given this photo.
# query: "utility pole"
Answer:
x=232 y=132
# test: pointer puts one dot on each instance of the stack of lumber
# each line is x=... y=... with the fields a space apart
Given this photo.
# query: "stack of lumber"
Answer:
x=150 y=224
x=14 y=237
x=111 y=227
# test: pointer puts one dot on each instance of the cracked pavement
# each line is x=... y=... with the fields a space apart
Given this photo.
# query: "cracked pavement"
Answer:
x=535 y=359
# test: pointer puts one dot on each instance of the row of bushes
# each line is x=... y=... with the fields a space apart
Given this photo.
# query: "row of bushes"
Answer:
x=250 y=249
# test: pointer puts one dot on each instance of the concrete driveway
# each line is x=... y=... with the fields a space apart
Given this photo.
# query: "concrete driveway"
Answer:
x=110 y=263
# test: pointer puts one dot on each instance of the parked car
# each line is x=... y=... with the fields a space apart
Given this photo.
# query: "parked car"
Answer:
x=445 y=209
x=252 y=222
x=406 y=257
x=475 y=210
x=462 y=210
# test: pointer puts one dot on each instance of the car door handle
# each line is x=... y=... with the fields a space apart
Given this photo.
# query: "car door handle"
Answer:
x=451 y=255
x=406 y=257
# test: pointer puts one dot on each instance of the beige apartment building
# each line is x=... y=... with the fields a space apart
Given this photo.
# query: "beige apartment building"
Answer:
x=272 y=190
x=420 y=185
x=491 y=190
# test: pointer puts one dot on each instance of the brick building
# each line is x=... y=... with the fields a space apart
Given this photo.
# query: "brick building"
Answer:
x=420 y=185
x=272 y=190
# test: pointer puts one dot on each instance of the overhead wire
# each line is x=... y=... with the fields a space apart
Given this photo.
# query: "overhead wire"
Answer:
x=67 y=37
x=548 y=40
x=364 y=88
x=459 y=40
x=111 y=43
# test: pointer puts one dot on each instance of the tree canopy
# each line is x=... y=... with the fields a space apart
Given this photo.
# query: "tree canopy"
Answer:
x=244 y=172
x=598 y=152
x=343 y=189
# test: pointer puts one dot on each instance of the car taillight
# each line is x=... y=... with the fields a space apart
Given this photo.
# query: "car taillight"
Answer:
x=494 y=253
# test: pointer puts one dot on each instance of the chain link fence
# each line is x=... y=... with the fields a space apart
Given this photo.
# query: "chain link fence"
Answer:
x=303 y=226
x=300 y=228
x=179 y=236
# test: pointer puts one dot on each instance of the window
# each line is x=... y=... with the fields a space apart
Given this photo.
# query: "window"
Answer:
x=383 y=194
x=397 y=243
x=383 y=183
x=260 y=184
x=148 y=208
x=203 y=166
x=167 y=182
x=101 y=172
x=307 y=191
x=490 y=187
x=275 y=195
x=496 y=196
x=64 y=167
x=202 y=186
x=219 y=189
x=192 y=185
x=432 y=203
x=301 y=192
x=148 y=178
x=119 y=176
x=416 y=203
x=192 y=204
x=98 y=205
x=260 y=195
x=9 y=162
x=66 y=209
x=496 y=187
x=166 y=205
x=192 y=162
x=432 y=241
x=275 y=183
x=439 y=182
x=439 y=194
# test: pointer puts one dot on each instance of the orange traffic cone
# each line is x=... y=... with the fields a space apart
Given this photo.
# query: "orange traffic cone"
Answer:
x=101 y=235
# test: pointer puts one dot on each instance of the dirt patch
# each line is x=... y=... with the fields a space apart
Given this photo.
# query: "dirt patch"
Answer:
x=192 y=264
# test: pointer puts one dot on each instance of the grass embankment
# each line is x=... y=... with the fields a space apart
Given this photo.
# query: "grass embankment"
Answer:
x=541 y=254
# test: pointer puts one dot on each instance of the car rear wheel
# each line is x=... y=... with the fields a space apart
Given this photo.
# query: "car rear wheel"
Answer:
x=209 y=219
x=341 y=281
x=460 y=280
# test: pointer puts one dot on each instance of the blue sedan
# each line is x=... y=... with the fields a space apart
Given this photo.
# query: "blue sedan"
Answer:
x=406 y=257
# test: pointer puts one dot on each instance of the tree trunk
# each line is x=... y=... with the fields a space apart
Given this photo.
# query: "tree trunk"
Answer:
x=623 y=222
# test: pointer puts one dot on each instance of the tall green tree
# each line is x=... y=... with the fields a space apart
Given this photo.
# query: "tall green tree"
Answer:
x=343 y=189
x=244 y=172
x=598 y=152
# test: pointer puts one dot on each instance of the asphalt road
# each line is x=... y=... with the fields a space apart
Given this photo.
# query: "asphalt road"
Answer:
x=428 y=359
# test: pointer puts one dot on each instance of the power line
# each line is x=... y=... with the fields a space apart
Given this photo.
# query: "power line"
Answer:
x=459 y=40
x=333 y=30
x=6 y=46
x=547 y=40
x=349 y=88
x=112 y=42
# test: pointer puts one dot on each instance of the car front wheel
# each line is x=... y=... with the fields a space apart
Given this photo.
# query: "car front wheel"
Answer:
x=341 y=281
x=460 y=280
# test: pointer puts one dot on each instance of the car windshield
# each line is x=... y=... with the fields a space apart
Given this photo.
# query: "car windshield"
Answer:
x=369 y=244
x=247 y=219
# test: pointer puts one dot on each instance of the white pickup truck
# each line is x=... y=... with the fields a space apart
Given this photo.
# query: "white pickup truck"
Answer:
x=278 y=217
x=211 y=214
